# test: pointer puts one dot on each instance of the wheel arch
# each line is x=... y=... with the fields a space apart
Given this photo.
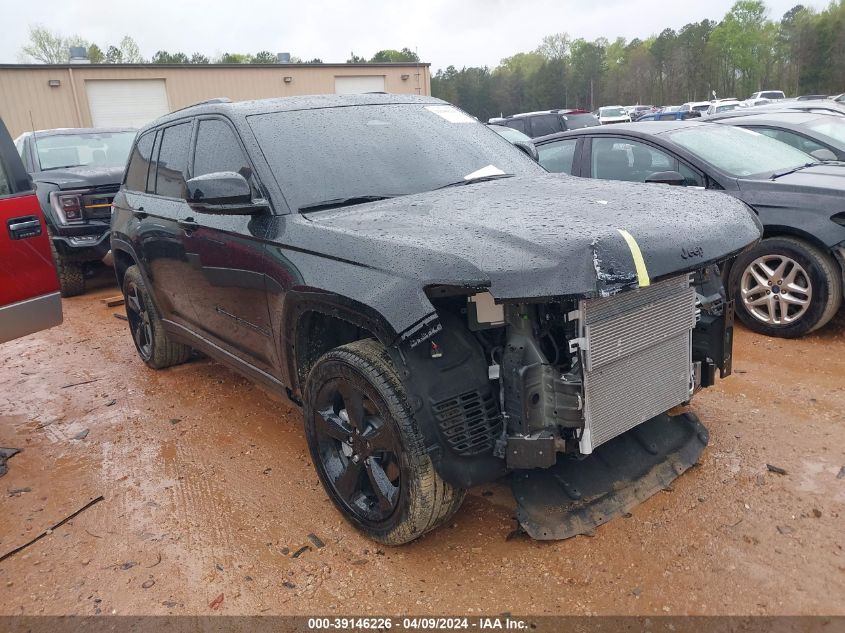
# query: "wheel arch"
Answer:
x=316 y=322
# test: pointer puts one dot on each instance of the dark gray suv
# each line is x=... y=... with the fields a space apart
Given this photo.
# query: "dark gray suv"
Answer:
x=443 y=309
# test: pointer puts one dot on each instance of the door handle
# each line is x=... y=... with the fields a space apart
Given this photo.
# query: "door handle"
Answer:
x=188 y=224
x=23 y=228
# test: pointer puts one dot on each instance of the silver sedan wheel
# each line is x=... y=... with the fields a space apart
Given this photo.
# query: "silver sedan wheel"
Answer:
x=776 y=290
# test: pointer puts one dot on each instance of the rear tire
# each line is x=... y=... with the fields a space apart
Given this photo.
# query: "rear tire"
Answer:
x=71 y=276
x=786 y=287
x=366 y=447
x=154 y=346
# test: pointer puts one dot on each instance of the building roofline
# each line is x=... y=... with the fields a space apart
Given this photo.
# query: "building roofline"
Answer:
x=204 y=66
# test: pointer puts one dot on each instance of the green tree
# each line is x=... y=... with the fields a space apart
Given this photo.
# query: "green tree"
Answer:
x=233 y=58
x=199 y=58
x=115 y=56
x=263 y=57
x=163 y=57
x=390 y=55
x=49 y=47
x=355 y=59
x=95 y=54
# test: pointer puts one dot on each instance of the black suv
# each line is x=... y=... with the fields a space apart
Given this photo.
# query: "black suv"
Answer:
x=76 y=172
x=444 y=310
x=535 y=124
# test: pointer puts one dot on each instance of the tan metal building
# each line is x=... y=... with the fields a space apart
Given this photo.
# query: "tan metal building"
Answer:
x=83 y=95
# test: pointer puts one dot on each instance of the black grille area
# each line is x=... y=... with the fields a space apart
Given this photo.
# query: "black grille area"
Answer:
x=94 y=200
x=469 y=422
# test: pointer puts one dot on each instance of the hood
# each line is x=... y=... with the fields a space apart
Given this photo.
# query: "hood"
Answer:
x=821 y=179
x=539 y=236
x=80 y=177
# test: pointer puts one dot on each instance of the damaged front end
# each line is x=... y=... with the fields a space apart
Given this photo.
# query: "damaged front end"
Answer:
x=571 y=394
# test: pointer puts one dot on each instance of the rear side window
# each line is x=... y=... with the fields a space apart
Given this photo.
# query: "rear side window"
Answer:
x=545 y=124
x=172 y=164
x=139 y=163
x=517 y=124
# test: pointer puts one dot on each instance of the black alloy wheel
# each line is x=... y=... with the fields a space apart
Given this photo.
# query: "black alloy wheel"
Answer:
x=358 y=450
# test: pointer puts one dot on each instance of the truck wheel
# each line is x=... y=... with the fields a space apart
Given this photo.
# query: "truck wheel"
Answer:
x=154 y=347
x=71 y=277
x=367 y=449
x=786 y=287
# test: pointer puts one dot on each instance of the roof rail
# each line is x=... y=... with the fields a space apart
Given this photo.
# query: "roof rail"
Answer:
x=206 y=102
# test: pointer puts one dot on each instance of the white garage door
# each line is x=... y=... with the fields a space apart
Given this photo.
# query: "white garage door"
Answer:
x=358 y=84
x=126 y=102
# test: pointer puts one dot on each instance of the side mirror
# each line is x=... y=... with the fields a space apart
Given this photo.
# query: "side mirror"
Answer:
x=824 y=154
x=666 y=178
x=529 y=149
x=224 y=192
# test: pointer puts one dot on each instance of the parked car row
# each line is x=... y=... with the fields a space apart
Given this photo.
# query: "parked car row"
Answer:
x=784 y=166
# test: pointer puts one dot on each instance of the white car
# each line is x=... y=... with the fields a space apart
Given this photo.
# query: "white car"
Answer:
x=723 y=105
x=613 y=114
x=695 y=106
x=771 y=95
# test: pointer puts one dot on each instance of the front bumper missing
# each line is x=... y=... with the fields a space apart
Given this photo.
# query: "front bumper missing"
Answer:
x=576 y=495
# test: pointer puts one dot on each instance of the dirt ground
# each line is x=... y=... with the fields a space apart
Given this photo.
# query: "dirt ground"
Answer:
x=209 y=491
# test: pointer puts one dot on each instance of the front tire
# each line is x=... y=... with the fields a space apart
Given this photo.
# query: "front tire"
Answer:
x=786 y=287
x=71 y=275
x=366 y=447
x=154 y=346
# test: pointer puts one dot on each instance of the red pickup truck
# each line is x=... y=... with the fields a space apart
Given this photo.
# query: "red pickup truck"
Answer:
x=29 y=286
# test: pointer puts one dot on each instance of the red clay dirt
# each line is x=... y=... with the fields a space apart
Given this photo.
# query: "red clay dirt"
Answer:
x=209 y=492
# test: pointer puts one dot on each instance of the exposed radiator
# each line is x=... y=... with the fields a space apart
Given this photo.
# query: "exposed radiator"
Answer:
x=637 y=357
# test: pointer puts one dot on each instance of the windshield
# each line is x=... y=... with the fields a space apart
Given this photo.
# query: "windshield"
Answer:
x=727 y=107
x=739 y=152
x=612 y=112
x=97 y=149
x=832 y=127
x=327 y=154
x=509 y=133
x=701 y=108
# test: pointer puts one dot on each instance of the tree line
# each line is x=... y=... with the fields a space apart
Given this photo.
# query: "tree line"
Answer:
x=49 y=47
x=802 y=53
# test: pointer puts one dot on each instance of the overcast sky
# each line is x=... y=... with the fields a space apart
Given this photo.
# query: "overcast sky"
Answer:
x=458 y=32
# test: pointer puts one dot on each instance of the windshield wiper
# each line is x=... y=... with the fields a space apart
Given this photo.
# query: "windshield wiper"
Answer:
x=61 y=167
x=777 y=175
x=342 y=202
x=461 y=183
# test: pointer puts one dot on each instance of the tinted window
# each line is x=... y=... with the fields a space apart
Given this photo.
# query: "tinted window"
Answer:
x=624 y=159
x=5 y=187
x=173 y=161
x=545 y=124
x=517 y=124
x=139 y=163
x=557 y=157
x=379 y=150
x=578 y=121
x=218 y=149
x=691 y=178
x=791 y=138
